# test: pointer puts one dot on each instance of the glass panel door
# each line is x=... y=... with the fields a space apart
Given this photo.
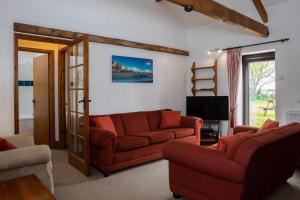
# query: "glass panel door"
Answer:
x=259 y=88
x=78 y=104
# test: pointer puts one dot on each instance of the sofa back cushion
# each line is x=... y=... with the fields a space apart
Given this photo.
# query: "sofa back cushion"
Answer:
x=117 y=120
x=154 y=118
x=170 y=119
x=135 y=122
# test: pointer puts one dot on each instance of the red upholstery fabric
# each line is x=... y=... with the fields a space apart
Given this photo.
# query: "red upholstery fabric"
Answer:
x=125 y=143
x=5 y=145
x=135 y=143
x=269 y=124
x=240 y=129
x=181 y=132
x=135 y=122
x=154 y=118
x=116 y=118
x=225 y=142
x=170 y=119
x=262 y=162
x=156 y=136
x=106 y=123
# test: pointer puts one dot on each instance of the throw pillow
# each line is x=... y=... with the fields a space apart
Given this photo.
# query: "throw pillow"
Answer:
x=5 y=145
x=225 y=142
x=269 y=124
x=106 y=123
x=240 y=139
x=170 y=119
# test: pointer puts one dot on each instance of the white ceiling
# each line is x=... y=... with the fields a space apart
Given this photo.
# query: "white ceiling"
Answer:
x=194 y=19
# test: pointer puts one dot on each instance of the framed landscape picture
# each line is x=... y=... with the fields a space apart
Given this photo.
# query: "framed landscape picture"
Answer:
x=132 y=70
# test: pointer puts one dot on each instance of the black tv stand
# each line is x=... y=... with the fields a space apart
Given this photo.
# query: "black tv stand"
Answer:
x=210 y=132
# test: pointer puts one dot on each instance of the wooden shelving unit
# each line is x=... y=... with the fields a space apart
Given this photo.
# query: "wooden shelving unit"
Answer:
x=214 y=79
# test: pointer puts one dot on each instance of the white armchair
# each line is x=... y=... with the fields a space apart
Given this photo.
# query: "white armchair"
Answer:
x=27 y=159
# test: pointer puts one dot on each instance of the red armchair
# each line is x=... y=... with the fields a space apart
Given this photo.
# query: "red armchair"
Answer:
x=257 y=167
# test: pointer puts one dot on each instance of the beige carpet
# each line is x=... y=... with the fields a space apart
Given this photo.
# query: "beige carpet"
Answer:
x=145 y=182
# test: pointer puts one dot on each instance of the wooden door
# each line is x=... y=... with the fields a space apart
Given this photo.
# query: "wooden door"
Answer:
x=78 y=104
x=41 y=99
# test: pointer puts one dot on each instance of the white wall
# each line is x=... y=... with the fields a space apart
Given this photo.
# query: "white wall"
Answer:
x=283 y=20
x=167 y=90
x=138 y=20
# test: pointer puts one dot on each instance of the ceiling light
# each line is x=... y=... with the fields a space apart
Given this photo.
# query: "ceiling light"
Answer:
x=188 y=8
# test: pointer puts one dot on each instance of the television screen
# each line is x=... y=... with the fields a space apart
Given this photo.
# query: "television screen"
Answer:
x=208 y=107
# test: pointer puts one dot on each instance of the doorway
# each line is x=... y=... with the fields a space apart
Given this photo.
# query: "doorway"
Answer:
x=60 y=94
x=259 y=88
x=36 y=94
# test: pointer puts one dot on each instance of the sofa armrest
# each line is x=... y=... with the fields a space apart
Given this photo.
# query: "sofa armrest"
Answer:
x=102 y=138
x=23 y=157
x=192 y=122
x=240 y=129
x=204 y=160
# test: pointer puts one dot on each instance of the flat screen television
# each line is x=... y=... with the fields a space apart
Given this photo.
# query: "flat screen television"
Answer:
x=208 y=107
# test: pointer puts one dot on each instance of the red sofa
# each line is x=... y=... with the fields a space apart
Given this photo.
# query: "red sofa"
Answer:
x=262 y=162
x=139 y=139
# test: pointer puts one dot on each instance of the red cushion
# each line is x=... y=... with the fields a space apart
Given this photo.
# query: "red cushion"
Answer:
x=129 y=142
x=5 y=145
x=269 y=124
x=154 y=118
x=156 y=136
x=225 y=142
x=182 y=132
x=135 y=122
x=170 y=119
x=106 y=123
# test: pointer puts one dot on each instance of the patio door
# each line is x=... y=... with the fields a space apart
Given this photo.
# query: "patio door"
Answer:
x=78 y=104
x=259 y=88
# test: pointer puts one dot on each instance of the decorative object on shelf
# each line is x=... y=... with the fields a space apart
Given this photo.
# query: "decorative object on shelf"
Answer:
x=214 y=79
x=132 y=70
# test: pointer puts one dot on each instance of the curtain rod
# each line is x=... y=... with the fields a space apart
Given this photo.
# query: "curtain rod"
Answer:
x=257 y=44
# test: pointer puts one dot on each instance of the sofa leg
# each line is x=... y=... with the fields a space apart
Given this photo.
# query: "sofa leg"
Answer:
x=106 y=174
x=176 y=196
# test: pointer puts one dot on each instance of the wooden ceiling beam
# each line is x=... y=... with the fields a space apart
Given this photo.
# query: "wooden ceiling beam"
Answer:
x=220 y=12
x=261 y=10
x=58 y=33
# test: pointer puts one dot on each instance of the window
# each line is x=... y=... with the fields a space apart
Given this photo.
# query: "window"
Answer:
x=259 y=88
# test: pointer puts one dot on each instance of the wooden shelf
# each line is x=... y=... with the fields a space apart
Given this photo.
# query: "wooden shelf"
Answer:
x=204 y=90
x=203 y=79
x=199 y=68
x=214 y=79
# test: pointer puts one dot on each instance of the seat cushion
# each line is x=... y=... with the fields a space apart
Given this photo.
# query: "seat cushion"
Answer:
x=135 y=122
x=181 y=132
x=170 y=119
x=105 y=122
x=125 y=143
x=5 y=145
x=156 y=136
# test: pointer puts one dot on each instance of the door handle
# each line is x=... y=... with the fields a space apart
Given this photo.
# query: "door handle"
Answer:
x=33 y=101
x=83 y=101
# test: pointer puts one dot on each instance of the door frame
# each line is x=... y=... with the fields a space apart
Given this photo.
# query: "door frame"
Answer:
x=62 y=97
x=246 y=59
x=51 y=61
